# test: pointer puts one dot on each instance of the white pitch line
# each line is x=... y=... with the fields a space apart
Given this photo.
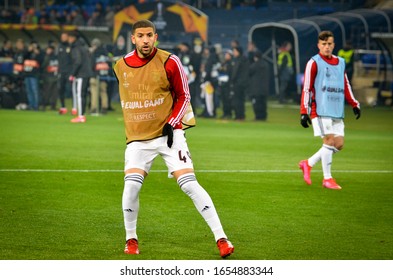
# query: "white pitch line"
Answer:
x=197 y=171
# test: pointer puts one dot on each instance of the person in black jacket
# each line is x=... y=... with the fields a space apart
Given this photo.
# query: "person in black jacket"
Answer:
x=64 y=85
x=80 y=75
x=224 y=79
x=50 y=67
x=239 y=82
x=259 y=81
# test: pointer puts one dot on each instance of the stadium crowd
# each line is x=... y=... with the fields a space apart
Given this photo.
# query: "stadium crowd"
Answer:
x=225 y=77
x=36 y=77
x=97 y=13
x=219 y=76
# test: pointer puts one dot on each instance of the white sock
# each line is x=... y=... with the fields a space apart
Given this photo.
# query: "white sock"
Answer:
x=209 y=99
x=130 y=203
x=202 y=202
x=74 y=95
x=315 y=158
x=326 y=159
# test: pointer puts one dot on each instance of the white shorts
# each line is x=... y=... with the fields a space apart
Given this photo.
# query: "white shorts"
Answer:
x=141 y=154
x=324 y=126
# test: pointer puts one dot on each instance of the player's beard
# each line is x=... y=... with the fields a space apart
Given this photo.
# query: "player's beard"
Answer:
x=145 y=50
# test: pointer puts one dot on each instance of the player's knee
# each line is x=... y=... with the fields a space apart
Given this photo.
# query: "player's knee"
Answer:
x=329 y=141
x=339 y=146
x=339 y=143
x=187 y=182
x=132 y=185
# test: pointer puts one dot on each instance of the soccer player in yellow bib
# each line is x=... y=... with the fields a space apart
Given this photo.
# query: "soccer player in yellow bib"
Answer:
x=155 y=100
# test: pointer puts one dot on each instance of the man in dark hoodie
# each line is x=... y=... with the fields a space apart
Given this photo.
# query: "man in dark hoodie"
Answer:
x=80 y=75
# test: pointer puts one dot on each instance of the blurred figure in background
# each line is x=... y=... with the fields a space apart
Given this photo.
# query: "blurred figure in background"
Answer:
x=224 y=81
x=80 y=75
x=209 y=74
x=50 y=70
x=259 y=85
x=7 y=50
x=99 y=82
x=76 y=18
x=31 y=72
x=348 y=53
x=187 y=58
x=19 y=57
x=64 y=58
x=251 y=50
x=285 y=71
x=239 y=82
x=196 y=58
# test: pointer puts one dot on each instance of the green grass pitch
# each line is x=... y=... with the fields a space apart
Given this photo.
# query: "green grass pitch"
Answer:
x=61 y=187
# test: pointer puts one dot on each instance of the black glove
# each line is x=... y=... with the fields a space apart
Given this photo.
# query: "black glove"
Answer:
x=356 y=111
x=305 y=120
x=168 y=130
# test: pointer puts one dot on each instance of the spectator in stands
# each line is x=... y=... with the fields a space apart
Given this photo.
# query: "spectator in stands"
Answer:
x=99 y=8
x=7 y=50
x=109 y=16
x=97 y=18
x=64 y=58
x=258 y=89
x=53 y=17
x=77 y=18
x=8 y=16
x=61 y=17
x=29 y=17
x=44 y=17
x=99 y=81
x=50 y=67
x=239 y=82
x=31 y=69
